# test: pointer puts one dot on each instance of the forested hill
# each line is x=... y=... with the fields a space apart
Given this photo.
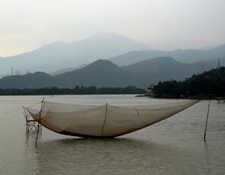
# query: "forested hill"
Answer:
x=206 y=84
x=103 y=73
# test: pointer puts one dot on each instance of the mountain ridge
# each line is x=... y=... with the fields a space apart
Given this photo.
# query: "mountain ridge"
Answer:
x=116 y=48
x=184 y=56
x=81 y=52
x=104 y=73
x=99 y=73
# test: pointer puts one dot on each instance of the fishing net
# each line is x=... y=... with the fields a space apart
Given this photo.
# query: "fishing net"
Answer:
x=105 y=120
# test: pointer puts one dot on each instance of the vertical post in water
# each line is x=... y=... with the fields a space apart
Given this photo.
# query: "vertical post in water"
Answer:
x=206 y=123
x=39 y=119
x=27 y=123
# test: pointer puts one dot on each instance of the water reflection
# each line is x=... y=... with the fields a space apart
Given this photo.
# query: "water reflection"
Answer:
x=109 y=156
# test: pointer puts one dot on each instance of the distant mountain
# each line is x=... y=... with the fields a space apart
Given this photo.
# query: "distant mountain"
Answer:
x=35 y=80
x=121 y=51
x=103 y=73
x=184 y=56
x=161 y=69
x=106 y=45
x=59 y=55
x=37 y=59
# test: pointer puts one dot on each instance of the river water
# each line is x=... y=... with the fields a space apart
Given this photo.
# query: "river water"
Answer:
x=172 y=146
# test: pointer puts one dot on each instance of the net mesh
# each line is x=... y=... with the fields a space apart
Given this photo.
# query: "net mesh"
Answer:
x=105 y=120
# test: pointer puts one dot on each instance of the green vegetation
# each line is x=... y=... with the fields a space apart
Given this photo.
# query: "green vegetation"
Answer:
x=75 y=90
x=210 y=83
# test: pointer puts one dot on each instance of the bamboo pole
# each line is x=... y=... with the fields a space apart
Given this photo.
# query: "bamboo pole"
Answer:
x=206 y=123
x=39 y=119
x=106 y=108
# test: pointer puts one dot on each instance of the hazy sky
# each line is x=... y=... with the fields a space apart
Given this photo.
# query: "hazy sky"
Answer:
x=26 y=25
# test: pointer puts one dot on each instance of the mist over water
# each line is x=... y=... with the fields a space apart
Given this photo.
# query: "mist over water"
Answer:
x=172 y=146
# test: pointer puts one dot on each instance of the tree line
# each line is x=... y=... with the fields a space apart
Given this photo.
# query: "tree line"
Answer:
x=207 y=84
x=76 y=90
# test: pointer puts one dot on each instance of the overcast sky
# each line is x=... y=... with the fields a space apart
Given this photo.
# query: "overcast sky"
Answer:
x=26 y=25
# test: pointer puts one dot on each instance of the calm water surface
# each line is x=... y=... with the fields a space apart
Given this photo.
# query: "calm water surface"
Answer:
x=172 y=146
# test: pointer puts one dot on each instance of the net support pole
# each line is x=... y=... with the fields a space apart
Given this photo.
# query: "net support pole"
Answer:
x=37 y=130
x=27 y=123
x=106 y=108
x=39 y=119
x=206 y=123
